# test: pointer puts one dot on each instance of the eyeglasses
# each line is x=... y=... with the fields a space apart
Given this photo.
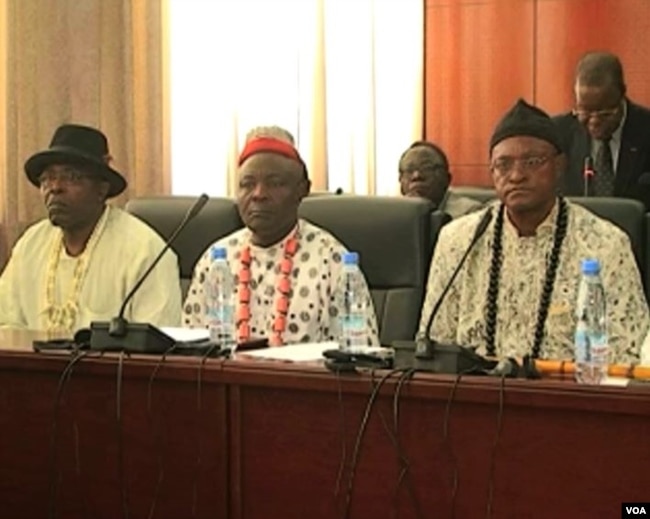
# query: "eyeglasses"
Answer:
x=505 y=165
x=585 y=115
x=68 y=176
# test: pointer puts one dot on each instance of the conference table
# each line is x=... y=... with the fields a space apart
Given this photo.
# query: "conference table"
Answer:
x=110 y=436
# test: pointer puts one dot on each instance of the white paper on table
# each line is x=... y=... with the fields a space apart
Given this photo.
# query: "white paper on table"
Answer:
x=615 y=381
x=186 y=334
x=306 y=352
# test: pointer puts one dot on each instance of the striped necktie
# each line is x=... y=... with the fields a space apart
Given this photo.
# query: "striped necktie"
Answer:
x=604 y=165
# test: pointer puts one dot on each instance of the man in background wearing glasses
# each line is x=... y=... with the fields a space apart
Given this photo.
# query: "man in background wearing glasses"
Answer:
x=516 y=293
x=606 y=126
x=424 y=173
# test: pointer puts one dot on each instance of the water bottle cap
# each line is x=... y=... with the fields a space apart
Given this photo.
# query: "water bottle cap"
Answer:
x=350 y=258
x=218 y=253
x=590 y=266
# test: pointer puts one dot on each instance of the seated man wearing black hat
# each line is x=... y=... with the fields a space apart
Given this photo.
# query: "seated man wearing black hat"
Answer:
x=424 y=172
x=516 y=293
x=78 y=265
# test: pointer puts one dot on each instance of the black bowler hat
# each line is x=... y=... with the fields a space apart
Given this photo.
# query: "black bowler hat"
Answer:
x=81 y=145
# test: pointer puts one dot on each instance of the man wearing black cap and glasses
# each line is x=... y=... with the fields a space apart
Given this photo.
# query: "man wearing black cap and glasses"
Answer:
x=77 y=265
x=516 y=293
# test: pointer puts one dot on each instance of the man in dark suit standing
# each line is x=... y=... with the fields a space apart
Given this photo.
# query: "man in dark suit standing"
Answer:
x=608 y=128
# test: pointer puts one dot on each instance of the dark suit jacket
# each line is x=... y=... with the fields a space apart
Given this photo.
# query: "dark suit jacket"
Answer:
x=633 y=156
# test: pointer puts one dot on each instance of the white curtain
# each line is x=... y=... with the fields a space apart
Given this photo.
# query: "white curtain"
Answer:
x=344 y=76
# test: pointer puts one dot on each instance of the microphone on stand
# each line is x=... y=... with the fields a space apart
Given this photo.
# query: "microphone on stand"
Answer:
x=121 y=335
x=446 y=358
x=588 y=175
x=424 y=344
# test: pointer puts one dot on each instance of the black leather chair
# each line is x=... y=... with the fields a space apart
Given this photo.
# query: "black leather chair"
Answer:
x=628 y=215
x=218 y=218
x=393 y=239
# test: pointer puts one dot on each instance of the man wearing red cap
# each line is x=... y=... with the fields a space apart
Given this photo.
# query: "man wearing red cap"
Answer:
x=78 y=265
x=289 y=267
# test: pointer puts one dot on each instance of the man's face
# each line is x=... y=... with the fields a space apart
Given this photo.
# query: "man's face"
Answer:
x=271 y=188
x=599 y=109
x=525 y=171
x=422 y=173
x=72 y=195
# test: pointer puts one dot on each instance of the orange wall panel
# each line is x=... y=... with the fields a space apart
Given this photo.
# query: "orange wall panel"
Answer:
x=567 y=29
x=478 y=62
x=481 y=55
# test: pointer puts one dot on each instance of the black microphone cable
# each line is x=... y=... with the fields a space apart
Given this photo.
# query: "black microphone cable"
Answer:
x=495 y=445
x=156 y=430
x=445 y=440
x=402 y=459
x=405 y=464
x=159 y=455
x=445 y=437
x=77 y=461
x=199 y=406
x=357 y=445
x=120 y=447
x=393 y=435
x=77 y=355
x=343 y=430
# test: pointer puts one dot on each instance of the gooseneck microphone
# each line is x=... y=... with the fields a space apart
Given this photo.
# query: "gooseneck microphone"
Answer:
x=118 y=324
x=143 y=338
x=588 y=175
x=423 y=345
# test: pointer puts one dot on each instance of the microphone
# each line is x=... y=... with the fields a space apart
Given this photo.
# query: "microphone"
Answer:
x=142 y=338
x=588 y=175
x=445 y=358
x=423 y=343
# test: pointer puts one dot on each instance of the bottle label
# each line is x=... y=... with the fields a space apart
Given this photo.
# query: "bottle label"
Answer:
x=220 y=315
x=599 y=348
x=590 y=347
x=353 y=330
x=581 y=343
x=353 y=322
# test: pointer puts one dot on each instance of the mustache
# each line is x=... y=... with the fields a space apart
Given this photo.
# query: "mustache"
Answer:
x=55 y=203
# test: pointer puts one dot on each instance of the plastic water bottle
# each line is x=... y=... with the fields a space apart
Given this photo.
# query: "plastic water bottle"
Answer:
x=352 y=305
x=591 y=341
x=219 y=301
